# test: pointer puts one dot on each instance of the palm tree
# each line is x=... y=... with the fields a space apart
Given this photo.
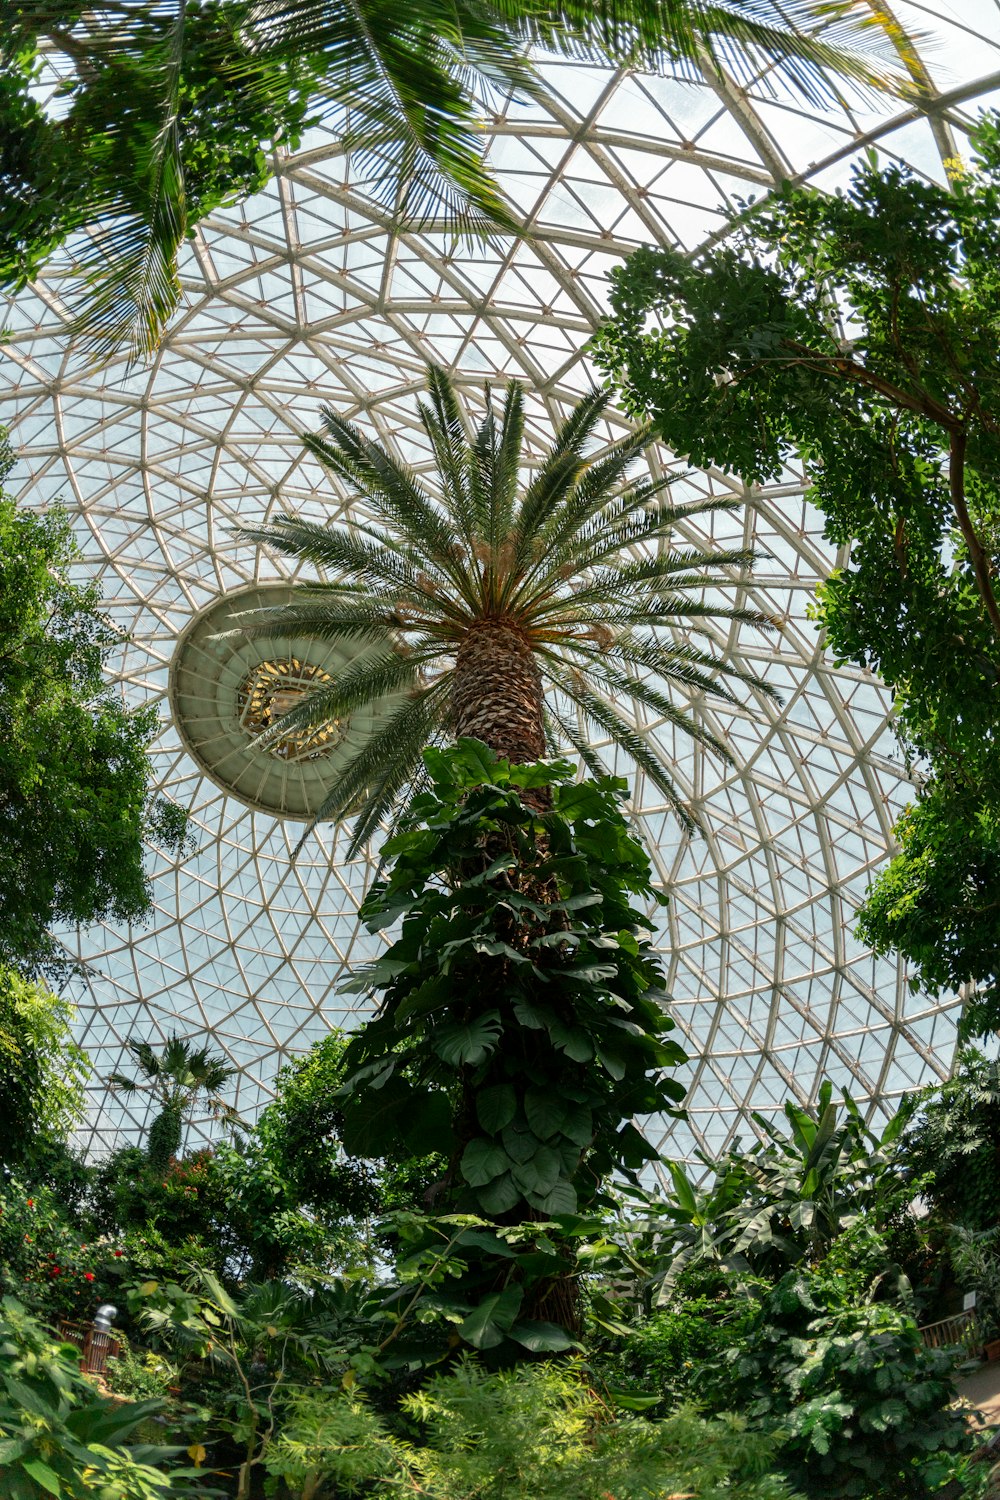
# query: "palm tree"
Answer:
x=520 y=617
x=175 y=1078
x=171 y=102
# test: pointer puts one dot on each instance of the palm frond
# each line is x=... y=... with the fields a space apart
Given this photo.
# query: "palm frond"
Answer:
x=396 y=82
x=335 y=548
x=563 y=462
x=497 y=465
x=644 y=577
x=810 y=44
x=138 y=223
x=677 y=661
x=635 y=520
x=607 y=718
x=147 y=1059
x=445 y=426
x=384 y=765
x=391 y=487
x=622 y=684
x=377 y=674
x=121 y=1081
x=572 y=736
x=352 y=618
x=596 y=491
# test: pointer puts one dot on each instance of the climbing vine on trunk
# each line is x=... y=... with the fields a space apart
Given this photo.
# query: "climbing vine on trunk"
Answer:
x=522 y=1027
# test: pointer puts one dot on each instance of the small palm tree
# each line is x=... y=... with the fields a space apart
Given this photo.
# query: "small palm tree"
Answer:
x=518 y=616
x=176 y=1078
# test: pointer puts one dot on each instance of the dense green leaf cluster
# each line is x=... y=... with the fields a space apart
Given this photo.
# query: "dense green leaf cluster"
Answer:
x=58 y=1437
x=535 y=1433
x=936 y=901
x=168 y=109
x=951 y=1147
x=75 y=778
x=188 y=136
x=521 y=1025
x=866 y=1407
x=42 y=1072
x=787 y=1199
x=858 y=331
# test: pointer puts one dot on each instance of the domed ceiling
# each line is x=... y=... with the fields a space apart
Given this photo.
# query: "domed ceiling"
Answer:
x=303 y=295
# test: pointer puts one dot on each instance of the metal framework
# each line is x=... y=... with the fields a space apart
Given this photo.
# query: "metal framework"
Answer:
x=304 y=294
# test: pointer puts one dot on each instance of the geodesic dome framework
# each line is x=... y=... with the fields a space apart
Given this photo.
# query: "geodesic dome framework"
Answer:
x=305 y=295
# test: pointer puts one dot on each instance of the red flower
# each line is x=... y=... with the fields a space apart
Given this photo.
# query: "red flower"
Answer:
x=31 y=1202
x=118 y=1254
x=88 y=1275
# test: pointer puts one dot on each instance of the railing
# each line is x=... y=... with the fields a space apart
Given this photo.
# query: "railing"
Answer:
x=962 y=1328
x=95 y=1345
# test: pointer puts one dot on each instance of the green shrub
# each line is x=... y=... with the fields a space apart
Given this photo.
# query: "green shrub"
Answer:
x=47 y=1261
x=59 y=1437
x=532 y=1433
x=141 y=1374
x=866 y=1407
x=666 y=1354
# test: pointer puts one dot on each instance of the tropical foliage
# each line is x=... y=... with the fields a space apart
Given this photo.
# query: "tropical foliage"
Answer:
x=168 y=109
x=534 y=1433
x=75 y=779
x=58 y=1437
x=519 y=617
x=278 y=1350
x=866 y=1406
x=857 y=330
x=176 y=1078
x=42 y=1072
x=785 y=1201
x=952 y=1144
x=521 y=1026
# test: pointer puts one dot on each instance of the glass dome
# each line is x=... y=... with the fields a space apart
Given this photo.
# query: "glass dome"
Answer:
x=303 y=295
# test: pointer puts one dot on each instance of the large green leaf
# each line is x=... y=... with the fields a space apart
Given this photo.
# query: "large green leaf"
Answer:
x=486 y=1326
x=545 y=1111
x=496 y=1107
x=467 y=1042
x=561 y=1199
x=537 y=1176
x=542 y=1338
x=499 y=1196
x=372 y=1117
x=483 y=1162
x=520 y=1143
x=42 y=1475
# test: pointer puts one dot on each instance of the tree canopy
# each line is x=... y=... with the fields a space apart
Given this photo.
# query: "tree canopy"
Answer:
x=858 y=332
x=519 y=614
x=167 y=109
x=42 y=1072
x=75 y=779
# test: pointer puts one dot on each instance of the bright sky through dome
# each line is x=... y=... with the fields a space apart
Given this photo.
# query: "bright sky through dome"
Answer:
x=301 y=296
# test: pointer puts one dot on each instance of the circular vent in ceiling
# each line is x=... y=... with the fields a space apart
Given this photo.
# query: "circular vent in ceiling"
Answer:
x=227 y=688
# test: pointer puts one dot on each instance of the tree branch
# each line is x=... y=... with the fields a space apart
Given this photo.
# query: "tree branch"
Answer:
x=980 y=562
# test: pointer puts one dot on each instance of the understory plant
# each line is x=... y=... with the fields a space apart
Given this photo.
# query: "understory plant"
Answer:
x=521 y=1027
x=866 y=1409
x=59 y=1437
x=536 y=1432
x=253 y=1351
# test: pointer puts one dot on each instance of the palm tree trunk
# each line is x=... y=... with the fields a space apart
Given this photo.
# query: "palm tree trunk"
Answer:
x=497 y=692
